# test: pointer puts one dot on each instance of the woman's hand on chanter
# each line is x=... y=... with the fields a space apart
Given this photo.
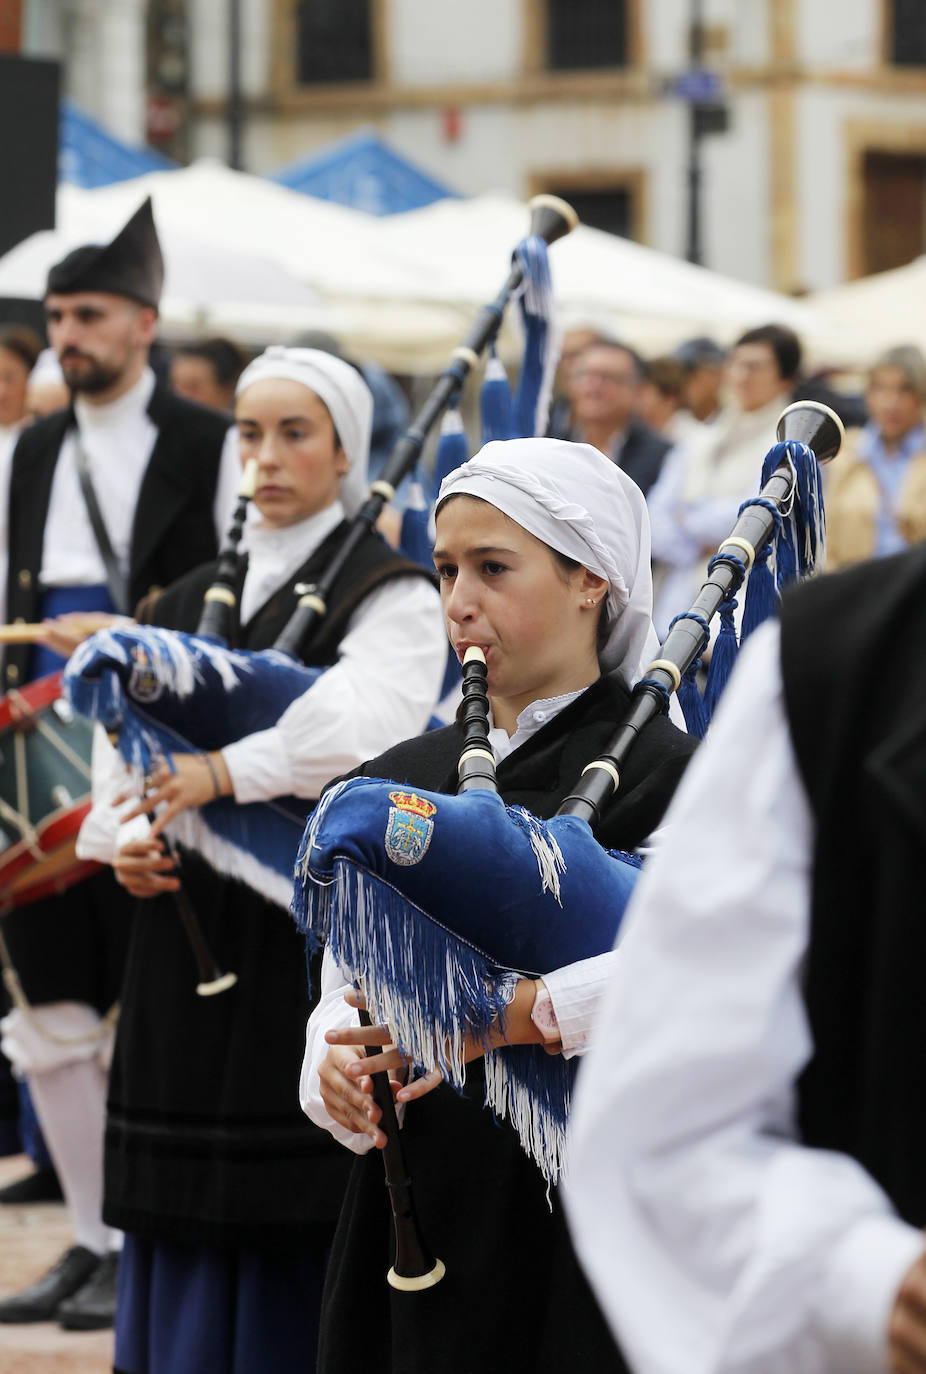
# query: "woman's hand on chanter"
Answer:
x=184 y=781
x=517 y=1029
x=347 y=1086
x=144 y=868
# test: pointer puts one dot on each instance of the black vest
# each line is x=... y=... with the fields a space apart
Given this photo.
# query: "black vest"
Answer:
x=173 y=528
x=854 y=666
x=260 y=1174
x=372 y=564
x=546 y=767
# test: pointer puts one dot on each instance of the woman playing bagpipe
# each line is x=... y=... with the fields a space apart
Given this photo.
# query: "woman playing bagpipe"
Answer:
x=543 y=555
x=227 y=1194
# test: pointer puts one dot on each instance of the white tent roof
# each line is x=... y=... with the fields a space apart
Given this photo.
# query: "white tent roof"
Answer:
x=595 y=275
x=861 y=319
x=402 y=289
x=206 y=286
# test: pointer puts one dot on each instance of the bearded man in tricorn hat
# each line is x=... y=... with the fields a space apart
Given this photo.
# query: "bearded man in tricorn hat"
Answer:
x=124 y=491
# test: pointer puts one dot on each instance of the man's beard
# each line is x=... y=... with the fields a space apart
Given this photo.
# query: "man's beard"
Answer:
x=88 y=376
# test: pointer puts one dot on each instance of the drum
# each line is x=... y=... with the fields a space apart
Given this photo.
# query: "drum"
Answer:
x=44 y=792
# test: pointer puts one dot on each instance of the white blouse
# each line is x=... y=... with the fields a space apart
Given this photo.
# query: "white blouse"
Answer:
x=381 y=690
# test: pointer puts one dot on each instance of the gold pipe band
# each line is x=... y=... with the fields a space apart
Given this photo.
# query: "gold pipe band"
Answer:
x=314 y=603
x=465 y=355
x=669 y=667
x=605 y=768
x=222 y=594
x=476 y=754
x=380 y=488
x=744 y=544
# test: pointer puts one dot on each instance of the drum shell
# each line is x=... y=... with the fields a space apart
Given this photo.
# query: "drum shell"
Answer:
x=45 y=779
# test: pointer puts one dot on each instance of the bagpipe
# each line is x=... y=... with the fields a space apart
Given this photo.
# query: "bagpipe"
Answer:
x=436 y=904
x=161 y=692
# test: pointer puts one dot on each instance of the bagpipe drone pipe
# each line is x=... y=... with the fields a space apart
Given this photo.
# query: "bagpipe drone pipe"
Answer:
x=163 y=692
x=434 y=904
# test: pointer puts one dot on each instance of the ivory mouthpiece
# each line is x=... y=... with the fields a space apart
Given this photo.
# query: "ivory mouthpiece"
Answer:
x=473 y=655
x=248 y=480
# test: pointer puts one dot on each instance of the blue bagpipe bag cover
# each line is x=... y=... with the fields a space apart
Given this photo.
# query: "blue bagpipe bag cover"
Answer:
x=164 y=692
x=435 y=904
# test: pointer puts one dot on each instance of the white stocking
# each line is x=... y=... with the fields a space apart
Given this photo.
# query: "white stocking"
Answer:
x=68 y=1085
x=71 y=1106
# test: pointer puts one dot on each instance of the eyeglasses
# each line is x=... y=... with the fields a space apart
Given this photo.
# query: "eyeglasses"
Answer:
x=596 y=375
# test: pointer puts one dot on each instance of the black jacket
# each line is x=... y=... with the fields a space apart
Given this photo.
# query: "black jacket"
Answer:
x=173 y=529
x=854 y=667
x=641 y=454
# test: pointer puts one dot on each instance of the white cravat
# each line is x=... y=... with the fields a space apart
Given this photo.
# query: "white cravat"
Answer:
x=531 y=719
x=118 y=439
x=274 y=555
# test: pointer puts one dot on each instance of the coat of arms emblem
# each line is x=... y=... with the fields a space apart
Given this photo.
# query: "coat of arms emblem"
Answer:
x=409 y=829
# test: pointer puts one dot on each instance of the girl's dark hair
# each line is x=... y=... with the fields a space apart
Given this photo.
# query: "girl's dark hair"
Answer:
x=23 y=342
x=568 y=566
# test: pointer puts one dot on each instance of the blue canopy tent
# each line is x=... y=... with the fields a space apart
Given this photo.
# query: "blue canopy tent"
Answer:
x=363 y=172
x=88 y=156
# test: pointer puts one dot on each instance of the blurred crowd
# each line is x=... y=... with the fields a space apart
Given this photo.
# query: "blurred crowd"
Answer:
x=690 y=427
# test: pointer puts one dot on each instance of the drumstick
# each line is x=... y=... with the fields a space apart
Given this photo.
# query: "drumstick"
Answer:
x=22 y=633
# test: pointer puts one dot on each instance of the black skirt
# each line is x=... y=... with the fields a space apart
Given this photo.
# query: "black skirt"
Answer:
x=513 y=1297
x=205 y=1140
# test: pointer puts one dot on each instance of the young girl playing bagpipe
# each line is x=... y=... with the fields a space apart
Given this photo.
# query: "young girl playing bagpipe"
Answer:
x=543 y=556
x=227 y=1194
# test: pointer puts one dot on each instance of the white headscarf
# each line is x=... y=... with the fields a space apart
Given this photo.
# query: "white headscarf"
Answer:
x=580 y=503
x=342 y=390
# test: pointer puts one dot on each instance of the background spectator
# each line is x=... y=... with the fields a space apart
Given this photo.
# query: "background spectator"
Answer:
x=207 y=372
x=876 y=493
x=704 y=480
x=703 y=361
x=661 y=403
x=605 y=388
x=19 y=350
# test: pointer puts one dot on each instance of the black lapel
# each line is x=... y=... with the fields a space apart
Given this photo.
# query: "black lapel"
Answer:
x=34 y=461
x=897 y=766
x=165 y=487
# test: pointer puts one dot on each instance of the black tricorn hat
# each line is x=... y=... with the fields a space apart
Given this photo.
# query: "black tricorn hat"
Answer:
x=131 y=265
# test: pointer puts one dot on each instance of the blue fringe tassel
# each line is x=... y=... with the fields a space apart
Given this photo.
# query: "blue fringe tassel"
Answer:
x=495 y=402
x=802 y=528
x=532 y=402
x=431 y=988
x=723 y=659
x=415 y=539
x=452 y=447
x=689 y=694
x=761 y=592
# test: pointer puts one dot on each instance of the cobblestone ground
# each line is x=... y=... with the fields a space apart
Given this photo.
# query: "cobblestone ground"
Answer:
x=31 y=1239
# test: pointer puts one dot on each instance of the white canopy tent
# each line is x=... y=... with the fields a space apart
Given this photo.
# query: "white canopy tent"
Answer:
x=401 y=290
x=649 y=298
x=207 y=287
x=861 y=319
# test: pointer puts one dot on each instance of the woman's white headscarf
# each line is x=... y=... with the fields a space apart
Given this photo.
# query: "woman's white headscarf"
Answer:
x=342 y=390
x=578 y=502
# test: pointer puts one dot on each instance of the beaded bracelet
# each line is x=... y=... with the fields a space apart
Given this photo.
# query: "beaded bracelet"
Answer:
x=213 y=774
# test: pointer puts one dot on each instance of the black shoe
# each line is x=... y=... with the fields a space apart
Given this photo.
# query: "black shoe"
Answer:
x=93 y=1307
x=41 y=1302
x=40 y=1186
